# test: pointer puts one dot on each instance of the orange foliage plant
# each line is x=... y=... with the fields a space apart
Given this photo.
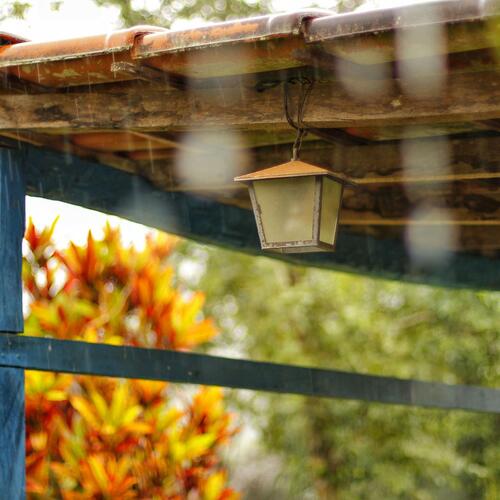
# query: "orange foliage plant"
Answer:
x=102 y=438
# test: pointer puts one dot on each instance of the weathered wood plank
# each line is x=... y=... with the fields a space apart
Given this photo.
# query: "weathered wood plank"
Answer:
x=12 y=434
x=466 y=239
x=11 y=235
x=439 y=158
x=467 y=97
x=367 y=212
x=451 y=218
x=472 y=203
x=460 y=175
x=154 y=364
x=63 y=144
x=414 y=161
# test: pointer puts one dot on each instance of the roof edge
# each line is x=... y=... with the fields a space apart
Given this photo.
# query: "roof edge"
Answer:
x=389 y=19
x=31 y=52
x=252 y=29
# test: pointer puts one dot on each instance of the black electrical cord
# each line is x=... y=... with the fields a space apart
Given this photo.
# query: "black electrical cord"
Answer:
x=306 y=86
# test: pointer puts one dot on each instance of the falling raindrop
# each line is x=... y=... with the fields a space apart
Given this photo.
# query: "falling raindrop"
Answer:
x=210 y=158
x=431 y=237
x=421 y=52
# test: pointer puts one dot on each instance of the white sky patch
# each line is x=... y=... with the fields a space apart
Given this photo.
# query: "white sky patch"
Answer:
x=75 y=222
x=75 y=18
x=287 y=5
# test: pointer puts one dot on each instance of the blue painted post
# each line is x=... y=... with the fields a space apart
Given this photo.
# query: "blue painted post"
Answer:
x=12 y=416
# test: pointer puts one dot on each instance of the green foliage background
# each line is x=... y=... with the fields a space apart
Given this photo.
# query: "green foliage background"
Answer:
x=340 y=449
x=168 y=11
x=162 y=15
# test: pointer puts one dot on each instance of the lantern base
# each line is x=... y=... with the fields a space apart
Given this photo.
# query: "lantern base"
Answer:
x=312 y=248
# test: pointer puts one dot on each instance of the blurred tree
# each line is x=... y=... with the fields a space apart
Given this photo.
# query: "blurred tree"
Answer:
x=99 y=438
x=14 y=8
x=159 y=12
x=164 y=12
x=340 y=449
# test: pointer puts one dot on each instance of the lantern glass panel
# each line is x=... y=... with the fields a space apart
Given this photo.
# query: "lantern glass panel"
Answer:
x=286 y=208
x=330 y=205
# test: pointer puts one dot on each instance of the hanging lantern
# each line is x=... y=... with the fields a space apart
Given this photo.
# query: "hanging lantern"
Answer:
x=296 y=207
x=296 y=204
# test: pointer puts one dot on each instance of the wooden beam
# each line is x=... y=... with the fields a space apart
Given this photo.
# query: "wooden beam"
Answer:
x=85 y=183
x=364 y=181
x=64 y=145
x=472 y=163
x=103 y=360
x=12 y=232
x=12 y=433
x=364 y=216
x=467 y=159
x=467 y=97
x=10 y=84
x=449 y=216
x=148 y=74
x=459 y=175
x=484 y=240
x=477 y=240
x=473 y=203
x=425 y=179
x=351 y=218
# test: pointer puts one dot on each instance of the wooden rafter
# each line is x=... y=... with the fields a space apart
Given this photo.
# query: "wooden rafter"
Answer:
x=467 y=97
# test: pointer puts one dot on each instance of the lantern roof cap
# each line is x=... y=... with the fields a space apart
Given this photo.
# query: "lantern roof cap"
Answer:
x=293 y=168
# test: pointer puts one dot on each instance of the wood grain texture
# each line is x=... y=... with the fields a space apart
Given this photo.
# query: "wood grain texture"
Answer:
x=12 y=416
x=12 y=434
x=466 y=159
x=465 y=97
x=431 y=158
x=460 y=176
x=182 y=367
x=11 y=235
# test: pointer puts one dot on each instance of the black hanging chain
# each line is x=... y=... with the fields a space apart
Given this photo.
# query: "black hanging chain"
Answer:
x=306 y=86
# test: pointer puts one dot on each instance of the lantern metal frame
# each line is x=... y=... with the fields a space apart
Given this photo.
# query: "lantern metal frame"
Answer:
x=296 y=169
x=293 y=169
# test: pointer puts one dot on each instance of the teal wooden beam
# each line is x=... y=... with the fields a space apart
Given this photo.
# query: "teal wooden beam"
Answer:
x=82 y=182
x=84 y=358
x=12 y=414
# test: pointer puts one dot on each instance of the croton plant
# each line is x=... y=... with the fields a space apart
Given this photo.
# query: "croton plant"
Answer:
x=102 y=438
